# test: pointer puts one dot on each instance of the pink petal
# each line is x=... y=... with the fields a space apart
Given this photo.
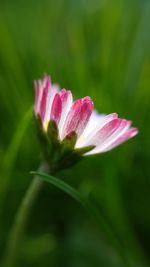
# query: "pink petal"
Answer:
x=36 y=89
x=43 y=102
x=78 y=116
x=66 y=98
x=122 y=129
x=96 y=123
x=124 y=137
x=106 y=131
x=56 y=108
x=64 y=95
x=52 y=91
x=47 y=79
x=38 y=96
x=40 y=89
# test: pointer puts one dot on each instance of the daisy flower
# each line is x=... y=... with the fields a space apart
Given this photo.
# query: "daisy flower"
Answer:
x=74 y=127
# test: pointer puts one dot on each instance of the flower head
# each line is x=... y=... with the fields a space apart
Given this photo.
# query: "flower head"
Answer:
x=74 y=128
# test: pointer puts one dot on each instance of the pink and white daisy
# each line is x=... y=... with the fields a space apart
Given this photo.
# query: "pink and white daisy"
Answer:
x=98 y=132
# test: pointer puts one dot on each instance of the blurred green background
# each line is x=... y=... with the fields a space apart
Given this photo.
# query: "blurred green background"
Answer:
x=99 y=48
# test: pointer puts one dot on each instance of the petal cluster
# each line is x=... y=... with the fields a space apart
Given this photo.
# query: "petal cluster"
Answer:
x=100 y=132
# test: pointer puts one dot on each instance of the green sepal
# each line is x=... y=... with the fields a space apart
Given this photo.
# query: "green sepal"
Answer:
x=49 y=139
x=70 y=140
x=84 y=150
x=52 y=132
x=40 y=132
x=53 y=141
x=64 y=151
x=59 y=154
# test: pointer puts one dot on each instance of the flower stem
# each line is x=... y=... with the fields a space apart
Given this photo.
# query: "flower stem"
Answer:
x=21 y=219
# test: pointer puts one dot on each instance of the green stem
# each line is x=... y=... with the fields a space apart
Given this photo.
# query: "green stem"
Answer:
x=21 y=219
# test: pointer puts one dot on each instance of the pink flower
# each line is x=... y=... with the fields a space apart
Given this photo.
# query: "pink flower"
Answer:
x=100 y=133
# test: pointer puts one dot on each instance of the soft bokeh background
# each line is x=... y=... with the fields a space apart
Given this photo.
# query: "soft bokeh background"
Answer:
x=99 y=48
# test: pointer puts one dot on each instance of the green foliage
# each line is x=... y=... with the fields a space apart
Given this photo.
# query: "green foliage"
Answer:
x=96 y=48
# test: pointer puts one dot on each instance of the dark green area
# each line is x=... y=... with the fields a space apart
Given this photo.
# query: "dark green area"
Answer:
x=99 y=48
